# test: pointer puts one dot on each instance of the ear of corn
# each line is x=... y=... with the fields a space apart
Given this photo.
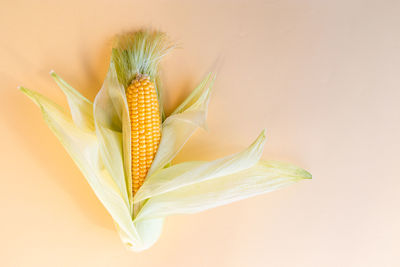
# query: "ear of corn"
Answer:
x=115 y=145
x=136 y=57
x=145 y=124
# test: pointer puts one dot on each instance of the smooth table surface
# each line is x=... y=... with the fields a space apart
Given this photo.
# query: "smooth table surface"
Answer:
x=321 y=76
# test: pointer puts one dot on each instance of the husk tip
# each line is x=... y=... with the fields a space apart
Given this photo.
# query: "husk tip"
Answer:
x=29 y=94
x=24 y=90
x=307 y=175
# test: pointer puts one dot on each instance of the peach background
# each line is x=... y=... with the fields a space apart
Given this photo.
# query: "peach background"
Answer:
x=321 y=76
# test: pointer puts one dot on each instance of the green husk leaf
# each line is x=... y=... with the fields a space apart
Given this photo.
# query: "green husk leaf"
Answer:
x=265 y=176
x=112 y=126
x=183 y=122
x=186 y=174
x=196 y=98
x=81 y=108
x=83 y=147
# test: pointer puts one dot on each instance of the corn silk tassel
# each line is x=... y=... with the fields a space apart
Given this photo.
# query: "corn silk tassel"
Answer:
x=116 y=143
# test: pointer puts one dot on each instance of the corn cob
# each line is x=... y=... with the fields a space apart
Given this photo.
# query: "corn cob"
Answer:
x=145 y=121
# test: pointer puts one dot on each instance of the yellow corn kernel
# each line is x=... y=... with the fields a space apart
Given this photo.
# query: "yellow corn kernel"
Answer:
x=145 y=123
